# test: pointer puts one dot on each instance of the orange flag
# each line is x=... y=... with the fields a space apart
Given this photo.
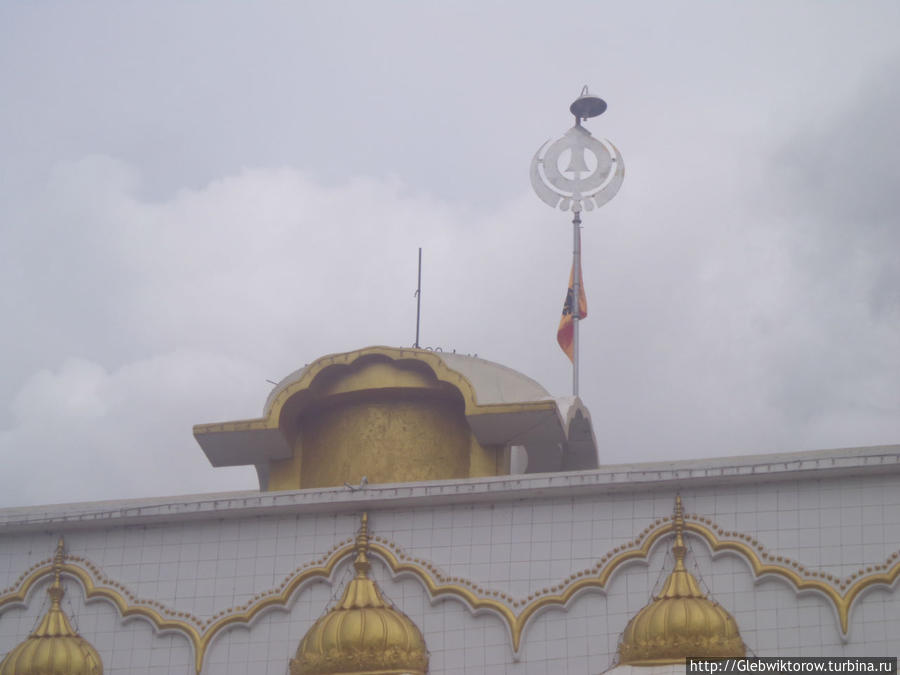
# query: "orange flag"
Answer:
x=565 y=334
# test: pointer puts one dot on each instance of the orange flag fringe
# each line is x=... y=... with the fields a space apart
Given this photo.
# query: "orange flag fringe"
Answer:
x=565 y=334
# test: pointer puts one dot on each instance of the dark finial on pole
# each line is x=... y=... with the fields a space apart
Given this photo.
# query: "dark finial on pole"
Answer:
x=587 y=105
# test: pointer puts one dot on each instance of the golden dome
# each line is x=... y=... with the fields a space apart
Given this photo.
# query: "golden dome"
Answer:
x=400 y=415
x=681 y=621
x=53 y=648
x=362 y=634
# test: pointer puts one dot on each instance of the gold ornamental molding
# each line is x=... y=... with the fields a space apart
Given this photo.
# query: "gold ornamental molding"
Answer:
x=315 y=420
x=120 y=597
x=199 y=632
x=515 y=612
x=441 y=371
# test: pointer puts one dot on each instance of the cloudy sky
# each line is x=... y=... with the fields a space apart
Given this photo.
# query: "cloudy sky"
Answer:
x=196 y=198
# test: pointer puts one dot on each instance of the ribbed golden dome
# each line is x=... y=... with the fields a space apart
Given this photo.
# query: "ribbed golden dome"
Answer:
x=681 y=621
x=362 y=634
x=53 y=648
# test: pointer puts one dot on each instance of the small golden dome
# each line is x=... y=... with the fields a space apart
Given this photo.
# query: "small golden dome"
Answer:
x=53 y=648
x=362 y=634
x=681 y=621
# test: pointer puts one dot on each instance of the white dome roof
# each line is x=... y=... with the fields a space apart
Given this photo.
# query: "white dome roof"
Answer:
x=502 y=407
x=492 y=382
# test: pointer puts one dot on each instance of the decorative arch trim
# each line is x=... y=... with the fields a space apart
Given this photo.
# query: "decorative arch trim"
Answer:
x=440 y=370
x=515 y=612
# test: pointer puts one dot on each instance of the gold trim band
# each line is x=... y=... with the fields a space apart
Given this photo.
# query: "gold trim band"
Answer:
x=517 y=613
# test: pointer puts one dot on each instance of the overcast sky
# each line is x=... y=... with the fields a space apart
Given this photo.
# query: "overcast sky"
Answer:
x=199 y=197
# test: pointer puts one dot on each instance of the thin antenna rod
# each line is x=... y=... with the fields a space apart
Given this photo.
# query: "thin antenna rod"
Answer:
x=419 y=300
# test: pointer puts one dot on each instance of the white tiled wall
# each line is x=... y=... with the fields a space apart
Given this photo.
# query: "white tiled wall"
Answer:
x=521 y=547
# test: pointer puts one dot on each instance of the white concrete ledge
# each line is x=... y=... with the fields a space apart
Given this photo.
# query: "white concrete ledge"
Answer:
x=814 y=465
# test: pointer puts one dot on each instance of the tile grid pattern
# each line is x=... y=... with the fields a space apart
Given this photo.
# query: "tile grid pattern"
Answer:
x=522 y=547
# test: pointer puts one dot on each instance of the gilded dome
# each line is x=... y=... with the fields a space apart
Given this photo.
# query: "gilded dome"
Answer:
x=362 y=634
x=681 y=621
x=403 y=415
x=54 y=647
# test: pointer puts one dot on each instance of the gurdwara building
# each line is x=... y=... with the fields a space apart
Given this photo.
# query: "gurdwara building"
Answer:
x=424 y=512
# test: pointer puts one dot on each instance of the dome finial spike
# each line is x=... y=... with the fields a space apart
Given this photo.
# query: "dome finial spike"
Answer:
x=56 y=590
x=362 y=632
x=60 y=554
x=681 y=621
x=362 y=564
x=679 y=549
x=54 y=646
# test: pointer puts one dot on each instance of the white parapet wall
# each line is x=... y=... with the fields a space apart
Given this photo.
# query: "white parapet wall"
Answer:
x=520 y=574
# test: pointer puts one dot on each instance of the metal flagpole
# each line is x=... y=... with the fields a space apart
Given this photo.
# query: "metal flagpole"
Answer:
x=577 y=187
x=576 y=296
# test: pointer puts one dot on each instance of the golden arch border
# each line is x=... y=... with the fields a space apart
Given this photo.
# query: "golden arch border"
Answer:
x=439 y=370
x=516 y=613
x=119 y=599
x=841 y=593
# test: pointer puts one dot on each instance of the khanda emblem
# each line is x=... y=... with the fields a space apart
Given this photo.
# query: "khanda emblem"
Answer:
x=577 y=186
x=567 y=305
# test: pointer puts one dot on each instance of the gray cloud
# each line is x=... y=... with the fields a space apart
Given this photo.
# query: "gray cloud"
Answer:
x=839 y=200
x=196 y=199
